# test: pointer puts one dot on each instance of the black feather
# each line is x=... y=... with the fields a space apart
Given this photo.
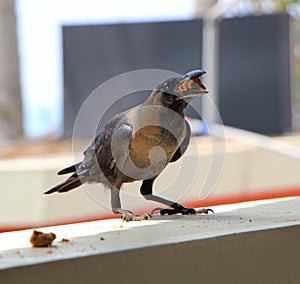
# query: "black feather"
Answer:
x=72 y=182
x=68 y=170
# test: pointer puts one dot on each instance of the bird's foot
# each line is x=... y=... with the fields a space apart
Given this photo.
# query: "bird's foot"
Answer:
x=132 y=217
x=179 y=209
x=127 y=215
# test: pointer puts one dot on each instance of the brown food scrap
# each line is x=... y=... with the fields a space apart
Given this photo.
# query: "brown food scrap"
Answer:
x=40 y=239
x=63 y=240
x=101 y=239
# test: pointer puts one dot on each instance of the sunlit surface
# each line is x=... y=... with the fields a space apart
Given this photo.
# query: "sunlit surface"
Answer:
x=161 y=242
x=20 y=239
x=249 y=204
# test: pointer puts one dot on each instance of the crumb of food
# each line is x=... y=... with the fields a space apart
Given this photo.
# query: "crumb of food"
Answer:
x=121 y=227
x=63 y=240
x=101 y=239
x=49 y=252
x=40 y=239
x=250 y=220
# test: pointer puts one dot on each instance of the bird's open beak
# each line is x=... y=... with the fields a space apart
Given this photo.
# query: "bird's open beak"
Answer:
x=191 y=86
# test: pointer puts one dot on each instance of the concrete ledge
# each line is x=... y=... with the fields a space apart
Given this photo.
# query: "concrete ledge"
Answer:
x=269 y=256
x=251 y=242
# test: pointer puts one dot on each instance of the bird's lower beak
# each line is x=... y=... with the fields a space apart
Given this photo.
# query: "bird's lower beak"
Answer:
x=191 y=86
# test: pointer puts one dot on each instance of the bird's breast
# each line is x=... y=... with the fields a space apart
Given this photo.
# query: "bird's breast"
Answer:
x=153 y=145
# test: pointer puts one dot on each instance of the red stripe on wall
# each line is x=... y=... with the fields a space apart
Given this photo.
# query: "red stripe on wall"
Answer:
x=271 y=194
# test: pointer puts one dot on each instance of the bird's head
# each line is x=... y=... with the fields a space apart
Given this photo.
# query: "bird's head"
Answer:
x=178 y=91
x=190 y=85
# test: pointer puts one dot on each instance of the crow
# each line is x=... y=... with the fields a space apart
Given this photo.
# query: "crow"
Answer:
x=138 y=144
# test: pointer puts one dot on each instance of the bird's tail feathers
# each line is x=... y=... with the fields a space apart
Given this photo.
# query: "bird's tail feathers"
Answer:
x=72 y=182
x=68 y=170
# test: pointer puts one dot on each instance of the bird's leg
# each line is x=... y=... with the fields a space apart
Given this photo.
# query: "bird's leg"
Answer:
x=146 y=191
x=126 y=214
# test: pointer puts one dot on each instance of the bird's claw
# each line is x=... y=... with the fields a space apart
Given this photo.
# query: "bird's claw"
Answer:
x=179 y=209
x=204 y=211
x=132 y=217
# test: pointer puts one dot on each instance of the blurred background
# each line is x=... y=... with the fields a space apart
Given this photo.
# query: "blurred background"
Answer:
x=53 y=54
x=38 y=37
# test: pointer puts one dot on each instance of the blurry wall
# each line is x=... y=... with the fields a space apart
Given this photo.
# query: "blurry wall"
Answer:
x=255 y=84
x=94 y=54
x=254 y=77
x=10 y=97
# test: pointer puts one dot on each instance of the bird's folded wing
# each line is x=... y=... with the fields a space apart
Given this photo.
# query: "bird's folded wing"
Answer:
x=120 y=144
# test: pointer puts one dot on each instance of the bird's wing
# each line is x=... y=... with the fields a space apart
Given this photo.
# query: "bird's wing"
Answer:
x=120 y=144
x=109 y=148
x=184 y=144
x=89 y=166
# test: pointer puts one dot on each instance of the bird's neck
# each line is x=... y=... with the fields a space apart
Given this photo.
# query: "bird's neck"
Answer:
x=155 y=99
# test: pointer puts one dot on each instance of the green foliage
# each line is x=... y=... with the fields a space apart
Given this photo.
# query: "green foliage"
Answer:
x=283 y=4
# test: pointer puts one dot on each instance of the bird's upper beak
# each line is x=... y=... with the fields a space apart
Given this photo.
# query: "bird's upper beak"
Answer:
x=191 y=86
